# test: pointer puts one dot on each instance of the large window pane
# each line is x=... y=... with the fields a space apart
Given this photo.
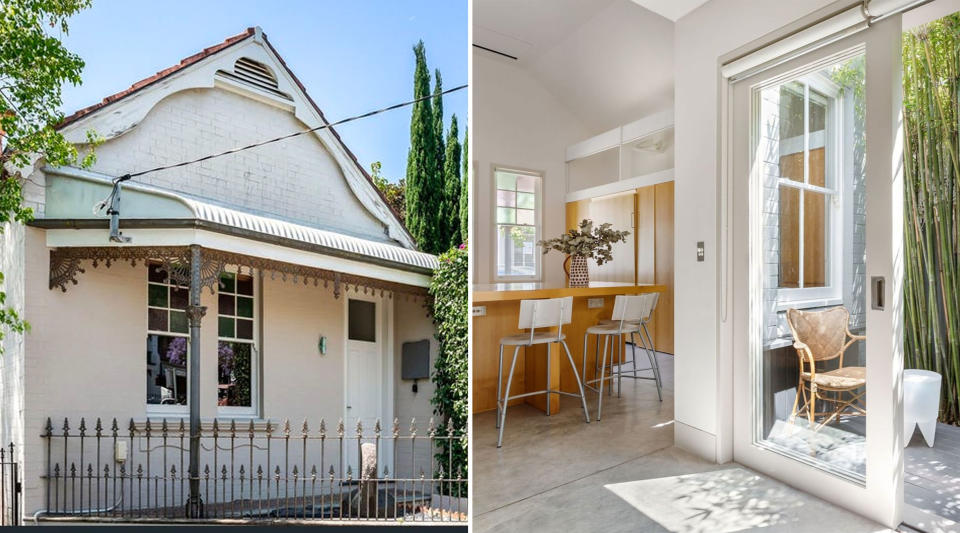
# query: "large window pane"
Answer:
x=167 y=361
x=810 y=390
x=234 y=365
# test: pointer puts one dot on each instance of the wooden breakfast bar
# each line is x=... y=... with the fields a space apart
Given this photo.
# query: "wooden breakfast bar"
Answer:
x=501 y=303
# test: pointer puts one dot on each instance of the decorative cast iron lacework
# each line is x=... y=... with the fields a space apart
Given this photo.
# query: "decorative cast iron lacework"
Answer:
x=66 y=264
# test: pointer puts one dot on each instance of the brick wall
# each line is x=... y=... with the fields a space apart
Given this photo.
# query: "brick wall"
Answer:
x=295 y=179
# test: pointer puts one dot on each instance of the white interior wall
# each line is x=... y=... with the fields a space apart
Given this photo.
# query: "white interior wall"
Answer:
x=703 y=399
x=517 y=123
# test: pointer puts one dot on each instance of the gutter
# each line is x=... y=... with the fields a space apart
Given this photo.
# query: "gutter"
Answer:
x=194 y=223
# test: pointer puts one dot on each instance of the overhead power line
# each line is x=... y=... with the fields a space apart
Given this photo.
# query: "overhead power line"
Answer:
x=126 y=177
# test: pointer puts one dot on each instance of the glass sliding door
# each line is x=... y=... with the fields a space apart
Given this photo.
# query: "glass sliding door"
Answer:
x=815 y=196
x=814 y=256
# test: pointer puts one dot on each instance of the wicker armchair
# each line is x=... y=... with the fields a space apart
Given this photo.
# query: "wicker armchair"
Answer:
x=823 y=336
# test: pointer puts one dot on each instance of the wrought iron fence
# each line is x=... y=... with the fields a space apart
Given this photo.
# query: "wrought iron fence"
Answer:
x=9 y=487
x=251 y=470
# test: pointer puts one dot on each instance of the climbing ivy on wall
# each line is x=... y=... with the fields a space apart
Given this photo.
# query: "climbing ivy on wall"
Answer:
x=448 y=291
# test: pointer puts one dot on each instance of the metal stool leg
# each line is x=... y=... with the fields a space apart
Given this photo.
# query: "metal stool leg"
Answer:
x=633 y=353
x=506 y=397
x=653 y=356
x=619 y=365
x=583 y=362
x=548 y=377
x=499 y=385
x=603 y=368
x=583 y=397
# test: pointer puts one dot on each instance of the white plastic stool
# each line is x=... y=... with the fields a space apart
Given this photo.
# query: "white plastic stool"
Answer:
x=921 y=403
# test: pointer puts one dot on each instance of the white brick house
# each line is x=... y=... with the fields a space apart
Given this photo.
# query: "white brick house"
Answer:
x=312 y=288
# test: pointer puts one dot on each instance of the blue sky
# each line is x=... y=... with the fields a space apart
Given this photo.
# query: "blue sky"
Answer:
x=352 y=56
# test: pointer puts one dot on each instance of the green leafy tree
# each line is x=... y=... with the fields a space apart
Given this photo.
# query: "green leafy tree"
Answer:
x=424 y=184
x=395 y=193
x=438 y=122
x=465 y=192
x=33 y=67
x=448 y=291
x=451 y=185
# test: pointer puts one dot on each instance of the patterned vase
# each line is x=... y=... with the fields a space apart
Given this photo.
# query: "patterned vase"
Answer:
x=578 y=276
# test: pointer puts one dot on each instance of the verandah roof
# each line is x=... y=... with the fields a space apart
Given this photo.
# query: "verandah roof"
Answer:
x=71 y=194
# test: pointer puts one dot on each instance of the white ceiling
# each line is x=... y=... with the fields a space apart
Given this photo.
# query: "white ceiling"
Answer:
x=609 y=62
x=671 y=9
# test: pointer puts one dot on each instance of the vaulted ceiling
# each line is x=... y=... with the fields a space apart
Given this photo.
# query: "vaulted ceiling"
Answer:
x=608 y=61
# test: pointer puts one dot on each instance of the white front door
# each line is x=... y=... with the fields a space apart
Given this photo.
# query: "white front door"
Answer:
x=816 y=211
x=364 y=366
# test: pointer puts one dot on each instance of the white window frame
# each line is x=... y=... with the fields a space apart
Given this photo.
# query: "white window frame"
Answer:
x=230 y=411
x=833 y=159
x=153 y=409
x=538 y=223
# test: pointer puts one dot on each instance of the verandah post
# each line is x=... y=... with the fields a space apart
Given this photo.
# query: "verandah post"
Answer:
x=195 y=314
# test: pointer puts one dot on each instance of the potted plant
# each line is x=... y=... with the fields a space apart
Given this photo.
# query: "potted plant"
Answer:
x=581 y=244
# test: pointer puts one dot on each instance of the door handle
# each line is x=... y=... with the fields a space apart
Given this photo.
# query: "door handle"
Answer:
x=877 y=288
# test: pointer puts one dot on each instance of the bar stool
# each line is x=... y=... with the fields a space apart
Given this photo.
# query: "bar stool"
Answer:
x=547 y=313
x=628 y=315
x=647 y=344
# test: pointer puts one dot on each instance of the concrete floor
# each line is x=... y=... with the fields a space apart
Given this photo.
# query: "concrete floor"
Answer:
x=623 y=474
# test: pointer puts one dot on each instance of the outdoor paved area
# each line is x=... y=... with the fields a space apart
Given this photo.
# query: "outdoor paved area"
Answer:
x=932 y=480
x=623 y=474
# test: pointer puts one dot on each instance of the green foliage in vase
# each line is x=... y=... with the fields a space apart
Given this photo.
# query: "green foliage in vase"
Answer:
x=448 y=292
x=588 y=241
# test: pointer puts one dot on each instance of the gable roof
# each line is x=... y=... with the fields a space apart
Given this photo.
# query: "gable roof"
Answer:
x=212 y=50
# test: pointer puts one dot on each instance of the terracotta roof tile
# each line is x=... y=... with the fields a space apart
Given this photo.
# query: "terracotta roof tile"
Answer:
x=185 y=62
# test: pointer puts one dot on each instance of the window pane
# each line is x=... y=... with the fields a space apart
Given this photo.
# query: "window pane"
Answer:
x=814 y=239
x=506 y=215
x=226 y=304
x=789 y=237
x=166 y=370
x=244 y=329
x=227 y=282
x=157 y=319
x=526 y=200
x=245 y=284
x=226 y=327
x=244 y=307
x=506 y=181
x=526 y=217
x=234 y=371
x=810 y=410
x=527 y=183
x=791 y=110
x=178 y=322
x=179 y=298
x=516 y=251
x=362 y=323
x=154 y=273
x=506 y=198
x=157 y=295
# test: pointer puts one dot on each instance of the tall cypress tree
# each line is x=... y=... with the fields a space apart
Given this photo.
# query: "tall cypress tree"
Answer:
x=451 y=186
x=423 y=187
x=465 y=191
x=438 y=120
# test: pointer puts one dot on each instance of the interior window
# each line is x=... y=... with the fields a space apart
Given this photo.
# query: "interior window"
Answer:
x=517 y=224
x=167 y=340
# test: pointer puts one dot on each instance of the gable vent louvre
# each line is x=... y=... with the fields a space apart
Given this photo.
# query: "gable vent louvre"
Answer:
x=255 y=72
